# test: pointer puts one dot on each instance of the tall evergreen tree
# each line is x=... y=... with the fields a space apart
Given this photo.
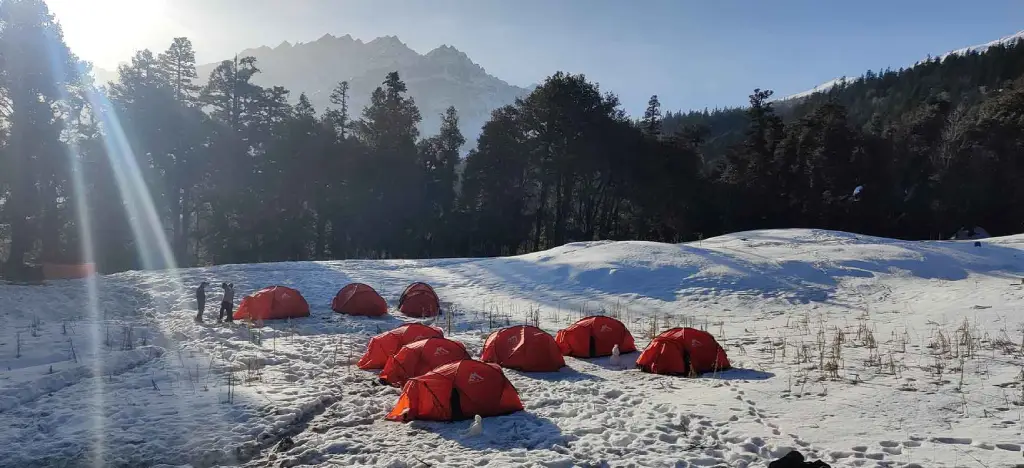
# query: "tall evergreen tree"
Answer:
x=340 y=116
x=178 y=65
x=38 y=68
x=749 y=169
x=388 y=129
x=651 y=122
x=231 y=196
x=440 y=156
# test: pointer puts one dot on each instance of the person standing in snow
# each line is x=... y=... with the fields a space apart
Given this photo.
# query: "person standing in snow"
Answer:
x=227 y=303
x=201 y=300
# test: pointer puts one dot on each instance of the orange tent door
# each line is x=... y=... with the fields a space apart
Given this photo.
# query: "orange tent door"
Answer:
x=425 y=399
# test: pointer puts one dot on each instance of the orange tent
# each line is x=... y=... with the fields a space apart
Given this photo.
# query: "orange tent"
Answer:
x=456 y=391
x=523 y=348
x=683 y=351
x=385 y=345
x=415 y=359
x=594 y=337
x=359 y=299
x=419 y=300
x=273 y=303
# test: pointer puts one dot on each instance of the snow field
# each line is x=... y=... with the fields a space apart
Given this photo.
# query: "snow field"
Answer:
x=857 y=350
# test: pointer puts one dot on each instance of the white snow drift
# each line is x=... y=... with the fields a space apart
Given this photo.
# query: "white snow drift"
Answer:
x=857 y=350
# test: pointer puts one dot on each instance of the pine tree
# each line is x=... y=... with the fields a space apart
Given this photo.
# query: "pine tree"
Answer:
x=185 y=125
x=651 y=122
x=178 y=65
x=749 y=168
x=339 y=198
x=388 y=129
x=38 y=69
x=340 y=116
x=230 y=92
x=496 y=187
x=440 y=156
x=240 y=109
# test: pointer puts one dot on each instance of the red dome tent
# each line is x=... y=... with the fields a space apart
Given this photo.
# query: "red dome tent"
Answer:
x=359 y=299
x=524 y=348
x=419 y=300
x=683 y=351
x=273 y=303
x=595 y=337
x=385 y=345
x=457 y=391
x=416 y=359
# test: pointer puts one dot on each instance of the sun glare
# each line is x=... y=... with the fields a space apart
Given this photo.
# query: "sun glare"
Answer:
x=107 y=32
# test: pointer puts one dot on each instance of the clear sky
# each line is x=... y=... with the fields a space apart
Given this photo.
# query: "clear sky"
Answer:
x=693 y=54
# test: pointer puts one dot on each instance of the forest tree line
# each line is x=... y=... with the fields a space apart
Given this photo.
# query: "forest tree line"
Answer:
x=235 y=173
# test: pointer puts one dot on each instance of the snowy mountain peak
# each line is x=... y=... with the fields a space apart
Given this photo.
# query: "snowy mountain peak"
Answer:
x=446 y=50
x=443 y=77
x=387 y=42
x=452 y=56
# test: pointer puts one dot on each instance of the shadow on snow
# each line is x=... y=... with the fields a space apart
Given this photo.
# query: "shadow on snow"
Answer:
x=521 y=430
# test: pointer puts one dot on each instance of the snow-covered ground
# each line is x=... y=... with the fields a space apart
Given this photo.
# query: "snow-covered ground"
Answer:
x=861 y=351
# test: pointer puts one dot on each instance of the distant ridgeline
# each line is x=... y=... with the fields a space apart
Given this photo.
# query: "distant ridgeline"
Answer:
x=878 y=100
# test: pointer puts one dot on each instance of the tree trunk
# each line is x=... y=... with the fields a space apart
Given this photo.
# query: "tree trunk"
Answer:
x=20 y=199
x=562 y=204
x=539 y=216
x=558 y=235
x=319 y=251
x=181 y=231
x=21 y=232
x=50 y=234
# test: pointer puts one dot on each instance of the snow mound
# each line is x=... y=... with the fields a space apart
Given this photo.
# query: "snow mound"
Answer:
x=848 y=348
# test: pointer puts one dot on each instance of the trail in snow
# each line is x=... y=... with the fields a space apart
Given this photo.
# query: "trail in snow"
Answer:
x=861 y=351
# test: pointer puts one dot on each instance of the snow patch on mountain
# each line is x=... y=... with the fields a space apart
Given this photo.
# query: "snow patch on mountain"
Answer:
x=818 y=89
x=1004 y=41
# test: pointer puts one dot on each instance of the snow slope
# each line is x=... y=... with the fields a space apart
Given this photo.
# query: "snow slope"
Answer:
x=861 y=351
x=817 y=89
x=1004 y=41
